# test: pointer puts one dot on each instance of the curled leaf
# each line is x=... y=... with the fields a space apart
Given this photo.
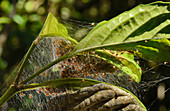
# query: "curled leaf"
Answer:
x=124 y=62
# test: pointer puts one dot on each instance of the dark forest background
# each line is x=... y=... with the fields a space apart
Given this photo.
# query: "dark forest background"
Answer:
x=22 y=20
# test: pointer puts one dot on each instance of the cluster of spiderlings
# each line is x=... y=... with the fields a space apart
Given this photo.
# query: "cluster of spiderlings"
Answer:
x=61 y=47
x=30 y=100
x=48 y=50
x=79 y=66
x=87 y=65
x=84 y=66
x=35 y=99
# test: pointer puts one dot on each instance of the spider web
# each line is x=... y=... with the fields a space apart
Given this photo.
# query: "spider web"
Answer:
x=80 y=66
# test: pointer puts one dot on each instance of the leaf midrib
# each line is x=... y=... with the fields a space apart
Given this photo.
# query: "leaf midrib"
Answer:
x=126 y=21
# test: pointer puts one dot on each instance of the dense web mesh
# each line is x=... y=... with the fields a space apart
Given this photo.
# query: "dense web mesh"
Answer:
x=80 y=66
x=44 y=53
x=78 y=29
x=86 y=65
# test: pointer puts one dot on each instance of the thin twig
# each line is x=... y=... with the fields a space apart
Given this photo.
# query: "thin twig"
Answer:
x=25 y=59
x=47 y=67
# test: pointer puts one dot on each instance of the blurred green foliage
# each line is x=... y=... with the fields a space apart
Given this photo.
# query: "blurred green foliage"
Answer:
x=22 y=20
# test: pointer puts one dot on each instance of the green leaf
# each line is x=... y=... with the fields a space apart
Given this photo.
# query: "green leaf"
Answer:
x=53 y=28
x=5 y=20
x=58 y=83
x=72 y=83
x=19 y=19
x=157 y=50
x=123 y=32
x=121 y=27
x=124 y=61
x=128 y=28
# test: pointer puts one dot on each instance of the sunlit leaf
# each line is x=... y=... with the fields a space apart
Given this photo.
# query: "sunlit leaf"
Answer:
x=53 y=28
x=5 y=5
x=19 y=19
x=123 y=61
x=143 y=22
x=29 y=7
x=4 y=20
x=157 y=50
x=124 y=32
x=128 y=30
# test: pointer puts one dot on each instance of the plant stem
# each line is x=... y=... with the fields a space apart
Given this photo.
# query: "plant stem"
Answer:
x=46 y=67
x=8 y=94
x=73 y=83
x=57 y=83
x=34 y=43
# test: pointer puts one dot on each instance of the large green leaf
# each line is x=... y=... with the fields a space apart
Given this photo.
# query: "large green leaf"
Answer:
x=53 y=28
x=128 y=32
x=125 y=32
x=157 y=50
x=139 y=24
x=123 y=61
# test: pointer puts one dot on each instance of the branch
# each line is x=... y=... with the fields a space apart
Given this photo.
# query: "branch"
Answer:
x=26 y=58
x=46 y=67
x=12 y=90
